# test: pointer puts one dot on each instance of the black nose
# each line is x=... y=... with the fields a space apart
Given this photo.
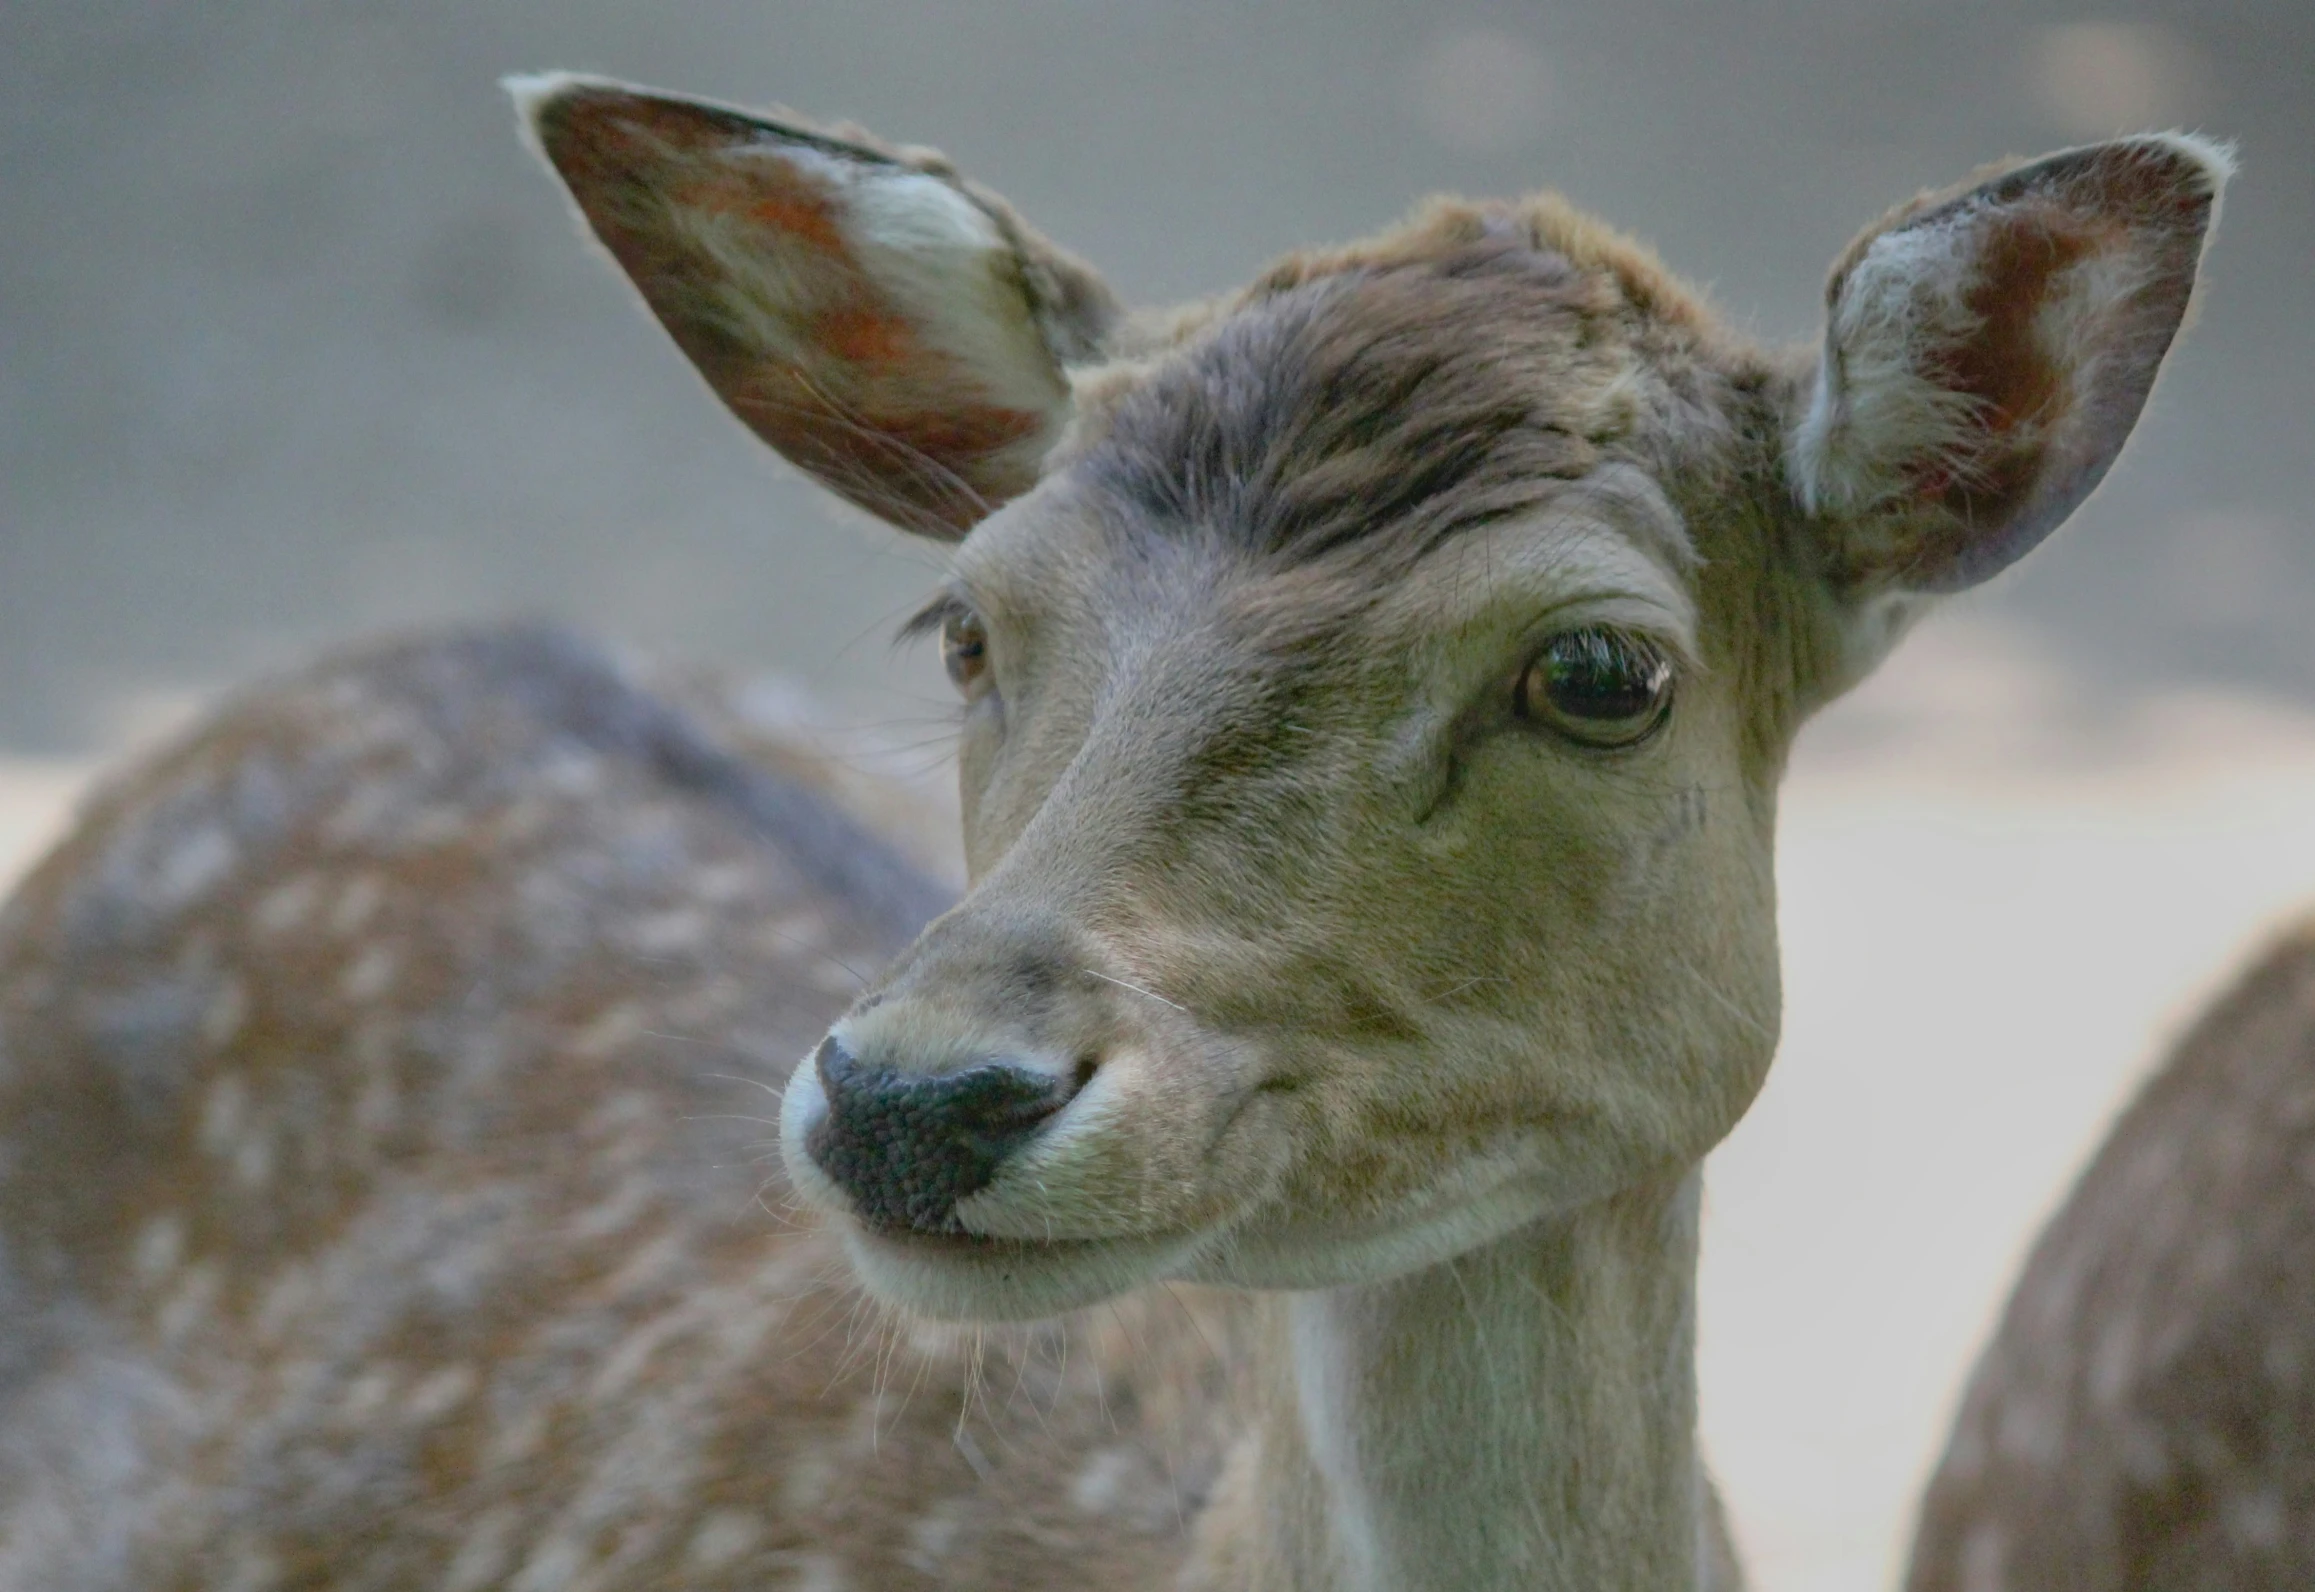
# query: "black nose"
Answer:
x=906 y=1146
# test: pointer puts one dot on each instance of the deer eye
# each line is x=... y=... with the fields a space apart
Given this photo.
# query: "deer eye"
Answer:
x=1597 y=686
x=964 y=652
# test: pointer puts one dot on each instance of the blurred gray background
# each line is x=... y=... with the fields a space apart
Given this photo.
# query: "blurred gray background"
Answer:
x=295 y=344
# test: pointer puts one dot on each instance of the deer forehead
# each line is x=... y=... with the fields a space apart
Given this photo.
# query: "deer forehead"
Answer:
x=1102 y=589
x=1407 y=396
x=1359 y=438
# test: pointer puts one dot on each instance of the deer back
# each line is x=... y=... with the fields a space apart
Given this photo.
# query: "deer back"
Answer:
x=384 y=1191
x=2145 y=1416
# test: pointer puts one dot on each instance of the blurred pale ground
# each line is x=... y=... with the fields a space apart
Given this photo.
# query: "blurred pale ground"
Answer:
x=294 y=346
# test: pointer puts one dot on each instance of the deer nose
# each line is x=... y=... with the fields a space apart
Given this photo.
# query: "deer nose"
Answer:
x=907 y=1146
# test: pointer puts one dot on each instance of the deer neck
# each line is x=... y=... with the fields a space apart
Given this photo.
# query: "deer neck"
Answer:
x=1523 y=1416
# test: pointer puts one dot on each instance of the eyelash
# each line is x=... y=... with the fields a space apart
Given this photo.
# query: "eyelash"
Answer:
x=932 y=618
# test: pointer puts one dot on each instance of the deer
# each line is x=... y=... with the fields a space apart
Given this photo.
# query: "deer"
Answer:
x=2144 y=1416
x=1279 y=1168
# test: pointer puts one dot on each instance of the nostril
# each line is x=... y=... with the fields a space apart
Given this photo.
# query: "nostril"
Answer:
x=835 y=1064
x=906 y=1146
x=997 y=1107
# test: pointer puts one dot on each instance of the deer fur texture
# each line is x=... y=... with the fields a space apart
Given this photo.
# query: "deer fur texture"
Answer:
x=2145 y=1416
x=385 y=1081
x=1386 y=1024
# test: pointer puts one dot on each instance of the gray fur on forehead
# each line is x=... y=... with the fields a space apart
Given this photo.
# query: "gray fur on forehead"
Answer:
x=1386 y=406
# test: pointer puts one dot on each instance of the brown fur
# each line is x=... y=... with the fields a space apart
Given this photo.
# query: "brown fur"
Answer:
x=384 y=1203
x=666 y=181
x=1384 y=1002
x=2145 y=1416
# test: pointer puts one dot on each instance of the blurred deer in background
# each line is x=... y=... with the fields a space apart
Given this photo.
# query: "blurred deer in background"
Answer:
x=1375 y=685
x=2145 y=1417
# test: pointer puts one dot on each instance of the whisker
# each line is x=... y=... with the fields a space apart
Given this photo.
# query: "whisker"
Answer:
x=1137 y=989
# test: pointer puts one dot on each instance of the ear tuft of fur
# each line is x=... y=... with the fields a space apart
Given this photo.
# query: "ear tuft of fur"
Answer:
x=1987 y=351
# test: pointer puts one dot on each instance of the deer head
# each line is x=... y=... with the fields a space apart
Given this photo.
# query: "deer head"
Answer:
x=1375 y=681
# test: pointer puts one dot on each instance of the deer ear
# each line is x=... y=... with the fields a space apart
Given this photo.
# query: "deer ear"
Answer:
x=892 y=329
x=1986 y=353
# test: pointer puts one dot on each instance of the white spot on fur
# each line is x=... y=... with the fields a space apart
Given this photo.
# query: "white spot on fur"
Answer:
x=287 y=906
x=1101 y=1483
x=224 y=1110
x=367 y=1395
x=2030 y=1431
x=615 y=1212
x=2256 y=1519
x=572 y=771
x=722 y=883
x=646 y=1269
x=438 y=1393
x=625 y=1364
x=357 y=903
x=553 y=1566
x=361 y=815
x=611 y=1032
x=934 y=1533
x=520 y=1436
x=192 y=868
x=485 y=1552
x=253 y=1160
x=675 y=933
x=621 y=1122
x=370 y=975
x=724 y=1538
x=285 y=1297
x=160 y=1249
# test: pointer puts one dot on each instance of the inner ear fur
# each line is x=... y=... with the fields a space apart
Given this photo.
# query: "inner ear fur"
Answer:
x=894 y=330
x=1987 y=351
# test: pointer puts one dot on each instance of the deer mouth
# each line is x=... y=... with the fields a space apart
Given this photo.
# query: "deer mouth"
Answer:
x=970 y=1277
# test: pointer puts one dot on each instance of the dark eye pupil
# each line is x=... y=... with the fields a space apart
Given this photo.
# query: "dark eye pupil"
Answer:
x=1597 y=685
x=1597 y=674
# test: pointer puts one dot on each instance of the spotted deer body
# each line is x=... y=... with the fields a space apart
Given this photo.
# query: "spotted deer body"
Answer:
x=2145 y=1416
x=384 y=1201
x=1375 y=688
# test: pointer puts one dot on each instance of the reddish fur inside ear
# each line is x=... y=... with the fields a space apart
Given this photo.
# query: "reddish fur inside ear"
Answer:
x=779 y=260
x=1989 y=353
x=2014 y=379
x=2018 y=387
